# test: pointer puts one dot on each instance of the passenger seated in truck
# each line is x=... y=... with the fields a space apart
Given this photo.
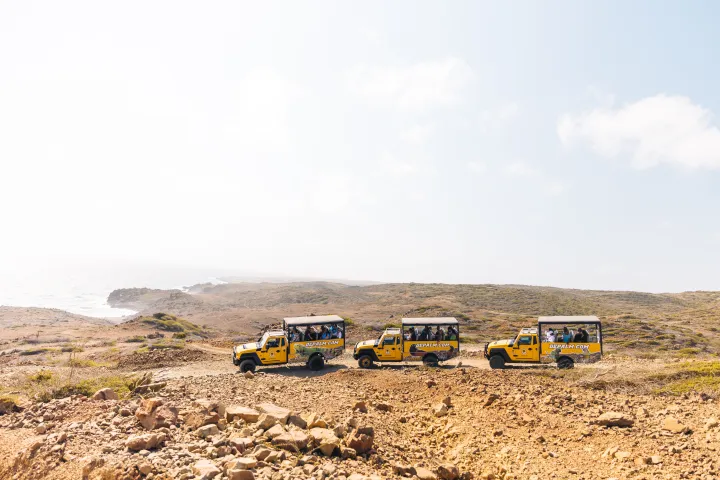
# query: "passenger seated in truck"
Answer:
x=439 y=334
x=551 y=335
x=578 y=337
x=294 y=335
x=452 y=334
x=310 y=334
x=585 y=338
x=324 y=333
x=566 y=336
x=426 y=333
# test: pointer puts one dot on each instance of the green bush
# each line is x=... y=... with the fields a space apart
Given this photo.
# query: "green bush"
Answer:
x=135 y=339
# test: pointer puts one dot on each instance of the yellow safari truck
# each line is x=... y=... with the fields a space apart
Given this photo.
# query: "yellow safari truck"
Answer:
x=562 y=340
x=311 y=340
x=430 y=340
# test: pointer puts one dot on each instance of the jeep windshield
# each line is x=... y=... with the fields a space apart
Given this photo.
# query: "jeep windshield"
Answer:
x=263 y=339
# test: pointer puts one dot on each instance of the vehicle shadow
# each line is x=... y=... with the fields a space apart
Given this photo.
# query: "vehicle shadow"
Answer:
x=298 y=370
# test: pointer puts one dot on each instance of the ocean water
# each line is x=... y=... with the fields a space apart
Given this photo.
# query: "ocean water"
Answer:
x=84 y=289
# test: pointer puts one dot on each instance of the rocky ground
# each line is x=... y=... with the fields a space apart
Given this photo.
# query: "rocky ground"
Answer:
x=345 y=423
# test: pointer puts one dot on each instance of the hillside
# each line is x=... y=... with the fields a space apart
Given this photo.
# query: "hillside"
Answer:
x=685 y=322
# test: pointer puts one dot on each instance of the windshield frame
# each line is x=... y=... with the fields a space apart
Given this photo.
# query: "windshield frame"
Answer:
x=263 y=339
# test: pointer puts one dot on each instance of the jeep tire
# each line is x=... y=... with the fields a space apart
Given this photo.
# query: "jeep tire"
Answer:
x=497 y=362
x=247 y=366
x=365 y=361
x=565 y=363
x=430 y=360
x=316 y=363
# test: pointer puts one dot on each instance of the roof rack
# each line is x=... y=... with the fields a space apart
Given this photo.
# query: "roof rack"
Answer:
x=430 y=321
x=312 y=320
x=570 y=319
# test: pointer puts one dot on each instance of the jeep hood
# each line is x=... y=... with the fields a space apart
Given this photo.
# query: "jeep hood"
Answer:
x=500 y=343
x=248 y=346
x=366 y=343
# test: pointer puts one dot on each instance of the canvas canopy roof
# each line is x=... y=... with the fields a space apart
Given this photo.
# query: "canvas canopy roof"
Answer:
x=570 y=319
x=313 y=320
x=430 y=321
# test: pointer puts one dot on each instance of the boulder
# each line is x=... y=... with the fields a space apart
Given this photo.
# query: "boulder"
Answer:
x=241 y=463
x=146 y=441
x=490 y=399
x=347 y=453
x=298 y=421
x=404 y=470
x=280 y=413
x=240 y=474
x=361 y=439
x=105 y=394
x=448 y=471
x=313 y=420
x=293 y=441
x=440 y=410
x=672 y=424
x=325 y=440
x=235 y=412
x=206 y=412
x=447 y=401
x=275 y=431
x=8 y=406
x=424 y=474
x=241 y=443
x=614 y=419
x=384 y=407
x=266 y=421
x=205 y=469
x=153 y=413
x=207 y=431
x=360 y=406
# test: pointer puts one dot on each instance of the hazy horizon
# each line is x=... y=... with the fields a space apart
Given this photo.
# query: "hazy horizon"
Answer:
x=567 y=144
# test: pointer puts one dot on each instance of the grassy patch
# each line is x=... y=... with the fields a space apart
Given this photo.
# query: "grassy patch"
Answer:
x=136 y=339
x=171 y=323
x=71 y=348
x=348 y=321
x=41 y=376
x=163 y=345
x=119 y=384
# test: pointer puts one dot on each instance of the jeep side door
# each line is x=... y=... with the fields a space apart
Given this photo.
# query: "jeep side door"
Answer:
x=389 y=349
x=274 y=351
x=524 y=349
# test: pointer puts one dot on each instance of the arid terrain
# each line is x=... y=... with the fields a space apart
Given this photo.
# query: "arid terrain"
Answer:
x=158 y=397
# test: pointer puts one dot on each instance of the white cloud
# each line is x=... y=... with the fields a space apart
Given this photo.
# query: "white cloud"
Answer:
x=521 y=169
x=258 y=112
x=656 y=130
x=415 y=87
x=498 y=117
x=477 y=167
x=372 y=36
x=550 y=186
x=417 y=134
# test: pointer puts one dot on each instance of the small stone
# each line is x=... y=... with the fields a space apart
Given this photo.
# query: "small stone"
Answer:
x=145 y=468
x=234 y=412
x=672 y=424
x=448 y=471
x=249 y=375
x=614 y=419
x=440 y=410
x=207 y=431
x=360 y=406
x=424 y=474
x=205 y=469
x=105 y=394
x=384 y=407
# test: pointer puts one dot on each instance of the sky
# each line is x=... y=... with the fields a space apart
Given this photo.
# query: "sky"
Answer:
x=564 y=143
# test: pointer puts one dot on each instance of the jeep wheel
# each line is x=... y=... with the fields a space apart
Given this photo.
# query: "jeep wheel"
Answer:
x=247 y=366
x=497 y=362
x=316 y=363
x=565 y=362
x=365 y=361
x=430 y=360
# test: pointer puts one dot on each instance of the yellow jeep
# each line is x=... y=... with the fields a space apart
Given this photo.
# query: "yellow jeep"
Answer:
x=561 y=340
x=310 y=340
x=415 y=341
